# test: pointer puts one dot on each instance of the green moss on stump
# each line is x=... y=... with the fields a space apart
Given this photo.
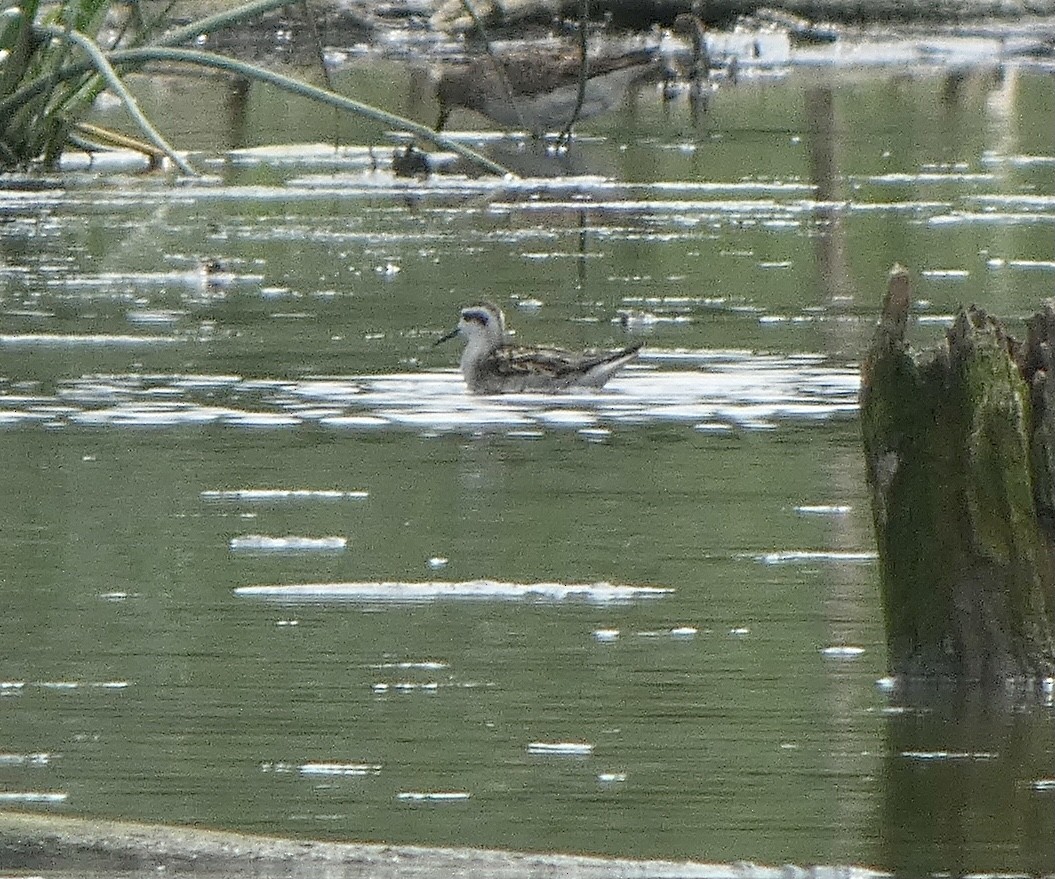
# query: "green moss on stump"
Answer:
x=965 y=567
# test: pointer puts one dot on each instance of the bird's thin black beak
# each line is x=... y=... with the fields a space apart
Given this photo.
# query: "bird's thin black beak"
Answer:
x=449 y=335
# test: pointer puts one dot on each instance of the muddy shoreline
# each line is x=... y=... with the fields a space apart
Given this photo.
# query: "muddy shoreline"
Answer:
x=59 y=847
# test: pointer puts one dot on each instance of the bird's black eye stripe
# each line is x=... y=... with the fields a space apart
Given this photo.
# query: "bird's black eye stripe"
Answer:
x=480 y=317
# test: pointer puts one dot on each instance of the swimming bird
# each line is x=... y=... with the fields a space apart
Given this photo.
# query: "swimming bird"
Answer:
x=491 y=365
x=539 y=89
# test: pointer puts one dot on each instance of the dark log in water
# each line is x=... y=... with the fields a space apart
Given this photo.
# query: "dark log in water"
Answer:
x=960 y=451
x=642 y=14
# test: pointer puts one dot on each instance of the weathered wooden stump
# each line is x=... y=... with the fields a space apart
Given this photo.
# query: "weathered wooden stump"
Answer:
x=960 y=451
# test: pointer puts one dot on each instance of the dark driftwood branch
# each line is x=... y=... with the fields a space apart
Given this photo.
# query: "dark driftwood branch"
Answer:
x=960 y=457
x=640 y=15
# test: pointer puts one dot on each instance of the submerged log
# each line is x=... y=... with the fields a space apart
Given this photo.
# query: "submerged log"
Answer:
x=960 y=452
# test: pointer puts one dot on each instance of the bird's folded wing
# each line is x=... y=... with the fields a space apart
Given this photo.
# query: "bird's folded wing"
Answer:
x=552 y=362
x=536 y=72
x=532 y=361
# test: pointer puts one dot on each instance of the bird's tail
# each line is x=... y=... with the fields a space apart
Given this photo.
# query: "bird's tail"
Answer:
x=606 y=365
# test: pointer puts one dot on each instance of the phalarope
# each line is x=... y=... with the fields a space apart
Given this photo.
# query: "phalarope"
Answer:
x=491 y=365
x=543 y=87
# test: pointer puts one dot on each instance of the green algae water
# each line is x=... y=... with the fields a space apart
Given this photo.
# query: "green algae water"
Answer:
x=712 y=684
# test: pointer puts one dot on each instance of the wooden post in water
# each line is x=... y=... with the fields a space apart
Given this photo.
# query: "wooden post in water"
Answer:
x=960 y=453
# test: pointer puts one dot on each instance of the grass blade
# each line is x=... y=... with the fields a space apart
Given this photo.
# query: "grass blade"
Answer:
x=115 y=84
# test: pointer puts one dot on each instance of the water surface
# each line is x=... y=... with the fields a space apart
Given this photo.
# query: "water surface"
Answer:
x=234 y=502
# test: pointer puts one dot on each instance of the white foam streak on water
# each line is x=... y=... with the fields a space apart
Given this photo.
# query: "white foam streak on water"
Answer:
x=262 y=419
x=151 y=415
x=342 y=769
x=823 y=510
x=155 y=317
x=475 y=590
x=42 y=797
x=799 y=556
x=1045 y=265
x=949 y=755
x=25 y=759
x=560 y=749
x=356 y=422
x=744 y=394
x=300 y=153
x=916 y=179
x=1022 y=201
x=842 y=651
x=14 y=688
x=406 y=687
x=269 y=495
x=1005 y=218
x=729 y=387
x=263 y=544
x=70 y=340
x=1022 y=161
x=201 y=382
